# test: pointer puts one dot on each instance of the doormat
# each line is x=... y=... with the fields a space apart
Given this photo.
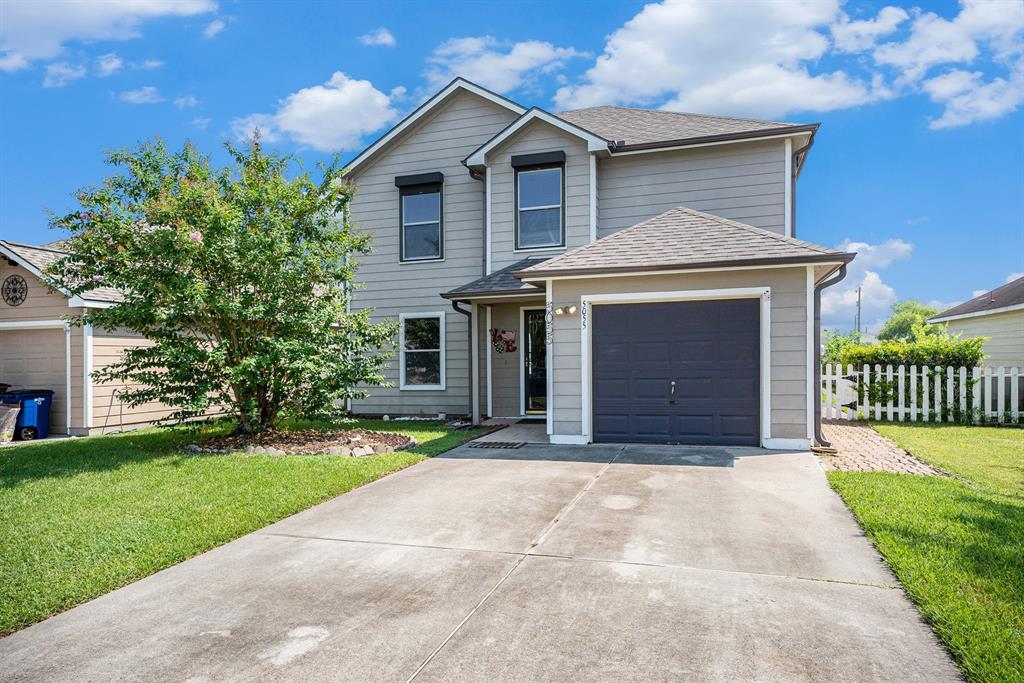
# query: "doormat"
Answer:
x=497 y=444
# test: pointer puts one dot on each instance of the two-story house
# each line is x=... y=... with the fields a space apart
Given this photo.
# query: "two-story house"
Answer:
x=626 y=275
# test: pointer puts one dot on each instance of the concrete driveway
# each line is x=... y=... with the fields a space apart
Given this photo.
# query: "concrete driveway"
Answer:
x=543 y=563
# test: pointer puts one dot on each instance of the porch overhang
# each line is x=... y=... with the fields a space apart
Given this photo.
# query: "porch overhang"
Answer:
x=501 y=284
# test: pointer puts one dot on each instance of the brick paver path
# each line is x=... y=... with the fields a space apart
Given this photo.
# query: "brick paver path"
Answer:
x=862 y=449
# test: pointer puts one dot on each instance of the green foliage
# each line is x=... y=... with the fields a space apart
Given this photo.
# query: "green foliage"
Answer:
x=836 y=343
x=238 y=276
x=924 y=349
x=905 y=316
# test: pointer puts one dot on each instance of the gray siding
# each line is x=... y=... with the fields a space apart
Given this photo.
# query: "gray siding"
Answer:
x=788 y=339
x=538 y=137
x=439 y=143
x=742 y=181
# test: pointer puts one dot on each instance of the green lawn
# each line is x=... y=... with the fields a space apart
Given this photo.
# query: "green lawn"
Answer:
x=81 y=517
x=957 y=543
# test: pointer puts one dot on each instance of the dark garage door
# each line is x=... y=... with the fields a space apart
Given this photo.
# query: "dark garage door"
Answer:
x=709 y=349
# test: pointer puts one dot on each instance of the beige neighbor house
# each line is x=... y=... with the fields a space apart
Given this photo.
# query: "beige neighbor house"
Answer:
x=39 y=350
x=998 y=315
x=623 y=275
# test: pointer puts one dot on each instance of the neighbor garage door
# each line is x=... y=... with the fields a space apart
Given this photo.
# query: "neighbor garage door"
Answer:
x=36 y=359
x=677 y=372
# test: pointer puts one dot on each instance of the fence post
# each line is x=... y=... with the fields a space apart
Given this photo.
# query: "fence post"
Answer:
x=977 y=410
x=989 y=408
x=925 y=394
x=1014 y=389
x=881 y=381
x=1001 y=393
x=851 y=413
x=866 y=384
x=963 y=393
x=888 y=392
x=900 y=400
x=913 y=393
x=950 y=397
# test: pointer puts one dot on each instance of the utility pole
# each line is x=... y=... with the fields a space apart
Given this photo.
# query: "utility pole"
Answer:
x=858 y=310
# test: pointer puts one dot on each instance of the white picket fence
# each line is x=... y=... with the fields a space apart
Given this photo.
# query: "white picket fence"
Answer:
x=922 y=394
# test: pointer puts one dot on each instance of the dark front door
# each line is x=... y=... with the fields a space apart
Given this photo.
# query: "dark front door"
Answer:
x=535 y=376
x=684 y=372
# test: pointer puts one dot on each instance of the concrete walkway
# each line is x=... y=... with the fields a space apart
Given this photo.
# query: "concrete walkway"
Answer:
x=540 y=563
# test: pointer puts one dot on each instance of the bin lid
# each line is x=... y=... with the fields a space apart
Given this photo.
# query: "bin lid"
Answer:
x=30 y=393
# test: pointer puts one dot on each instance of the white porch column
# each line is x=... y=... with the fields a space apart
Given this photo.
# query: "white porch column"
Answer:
x=474 y=321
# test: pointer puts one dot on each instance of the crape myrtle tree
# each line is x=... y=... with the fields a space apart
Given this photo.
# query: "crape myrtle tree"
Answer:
x=238 y=276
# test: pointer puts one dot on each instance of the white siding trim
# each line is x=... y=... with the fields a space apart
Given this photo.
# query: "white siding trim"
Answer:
x=594 y=142
x=678 y=271
x=67 y=376
x=32 y=325
x=812 y=391
x=549 y=357
x=87 y=376
x=490 y=351
x=978 y=314
x=593 y=197
x=711 y=144
x=587 y=301
x=522 y=361
x=568 y=440
x=402 y=317
x=787 y=444
x=789 y=188
x=487 y=225
x=475 y=361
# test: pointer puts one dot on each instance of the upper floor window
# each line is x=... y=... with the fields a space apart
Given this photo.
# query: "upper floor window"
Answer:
x=539 y=207
x=421 y=216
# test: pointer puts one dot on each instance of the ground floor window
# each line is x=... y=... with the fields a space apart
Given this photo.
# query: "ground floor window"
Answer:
x=421 y=350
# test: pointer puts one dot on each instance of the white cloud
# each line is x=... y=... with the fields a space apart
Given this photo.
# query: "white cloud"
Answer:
x=736 y=58
x=38 y=30
x=494 y=64
x=379 y=38
x=108 y=64
x=857 y=36
x=942 y=305
x=202 y=123
x=839 y=303
x=185 y=102
x=1013 y=276
x=214 y=27
x=917 y=221
x=975 y=293
x=60 y=74
x=330 y=117
x=145 y=95
x=969 y=99
x=148 y=64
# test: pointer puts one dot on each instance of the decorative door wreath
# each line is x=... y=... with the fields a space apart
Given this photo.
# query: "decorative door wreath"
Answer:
x=503 y=341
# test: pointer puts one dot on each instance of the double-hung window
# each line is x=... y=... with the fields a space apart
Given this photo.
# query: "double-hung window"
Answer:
x=421 y=217
x=421 y=350
x=540 y=214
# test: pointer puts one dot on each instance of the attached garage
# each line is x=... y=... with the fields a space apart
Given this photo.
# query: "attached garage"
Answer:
x=37 y=359
x=677 y=372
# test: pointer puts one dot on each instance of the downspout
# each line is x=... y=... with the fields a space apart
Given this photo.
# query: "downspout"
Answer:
x=469 y=342
x=475 y=175
x=839 y=276
x=796 y=174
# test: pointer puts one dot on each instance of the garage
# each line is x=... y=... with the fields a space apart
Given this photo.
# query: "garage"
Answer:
x=679 y=372
x=37 y=359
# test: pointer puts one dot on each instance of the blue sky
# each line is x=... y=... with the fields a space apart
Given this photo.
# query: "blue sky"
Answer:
x=919 y=164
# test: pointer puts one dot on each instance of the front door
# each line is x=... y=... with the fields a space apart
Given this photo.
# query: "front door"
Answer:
x=535 y=376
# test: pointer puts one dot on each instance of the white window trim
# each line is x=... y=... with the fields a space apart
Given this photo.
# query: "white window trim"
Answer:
x=588 y=301
x=560 y=206
x=522 y=361
x=440 y=230
x=402 y=317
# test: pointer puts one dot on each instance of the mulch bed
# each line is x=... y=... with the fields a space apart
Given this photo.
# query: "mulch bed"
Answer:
x=351 y=442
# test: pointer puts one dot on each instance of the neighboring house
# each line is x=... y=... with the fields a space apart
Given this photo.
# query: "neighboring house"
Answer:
x=998 y=315
x=628 y=275
x=39 y=350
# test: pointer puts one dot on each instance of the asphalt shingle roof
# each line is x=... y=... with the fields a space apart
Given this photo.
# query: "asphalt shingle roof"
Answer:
x=499 y=282
x=650 y=127
x=43 y=257
x=683 y=238
x=1010 y=294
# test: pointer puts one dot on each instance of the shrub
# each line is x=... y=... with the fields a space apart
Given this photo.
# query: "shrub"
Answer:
x=926 y=349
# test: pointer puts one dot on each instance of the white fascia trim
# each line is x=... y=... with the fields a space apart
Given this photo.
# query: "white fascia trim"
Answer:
x=780 y=136
x=674 y=271
x=13 y=255
x=402 y=317
x=587 y=301
x=490 y=352
x=424 y=109
x=789 y=188
x=79 y=302
x=978 y=314
x=510 y=298
x=33 y=325
x=87 y=376
x=812 y=392
x=593 y=197
x=487 y=224
x=787 y=444
x=568 y=439
x=594 y=143
x=549 y=356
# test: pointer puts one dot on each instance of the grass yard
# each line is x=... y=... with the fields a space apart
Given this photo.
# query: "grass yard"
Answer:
x=957 y=543
x=79 y=518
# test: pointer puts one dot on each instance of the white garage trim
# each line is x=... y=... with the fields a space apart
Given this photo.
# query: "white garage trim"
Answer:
x=87 y=376
x=67 y=376
x=587 y=301
x=33 y=325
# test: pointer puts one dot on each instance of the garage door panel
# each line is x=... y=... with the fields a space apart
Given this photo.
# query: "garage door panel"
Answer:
x=710 y=349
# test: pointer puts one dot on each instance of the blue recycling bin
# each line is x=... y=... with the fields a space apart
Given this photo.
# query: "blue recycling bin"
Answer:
x=34 y=417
